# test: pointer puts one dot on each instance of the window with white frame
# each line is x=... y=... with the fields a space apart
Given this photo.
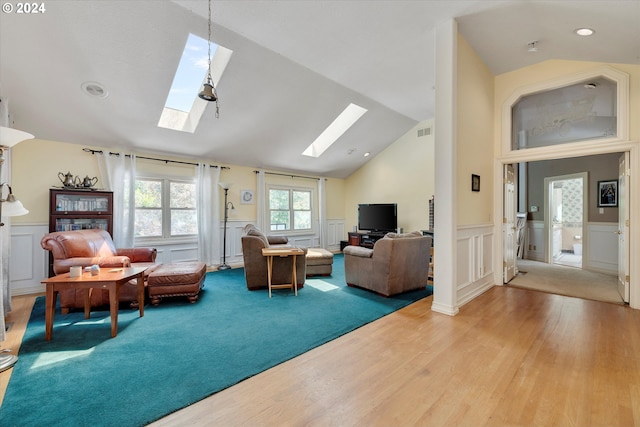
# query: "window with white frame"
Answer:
x=165 y=208
x=290 y=209
x=584 y=109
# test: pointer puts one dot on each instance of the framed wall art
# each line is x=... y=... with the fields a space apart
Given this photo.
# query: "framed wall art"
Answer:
x=608 y=193
x=475 y=182
x=246 y=197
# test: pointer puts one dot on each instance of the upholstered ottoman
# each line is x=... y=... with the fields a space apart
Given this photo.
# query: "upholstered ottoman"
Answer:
x=319 y=262
x=178 y=279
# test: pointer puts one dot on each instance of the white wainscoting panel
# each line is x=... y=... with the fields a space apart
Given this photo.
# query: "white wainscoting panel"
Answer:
x=335 y=233
x=234 y=241
x=475 y=253
x=28 y=263
x=535 y=241
x=602 y=253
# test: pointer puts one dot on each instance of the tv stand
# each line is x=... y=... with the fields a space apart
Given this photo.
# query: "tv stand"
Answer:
x=366 y=240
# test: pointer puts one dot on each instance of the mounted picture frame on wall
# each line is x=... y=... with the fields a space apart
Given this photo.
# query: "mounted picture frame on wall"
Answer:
x=608 y=193
x=475 y=182
x=246 y=197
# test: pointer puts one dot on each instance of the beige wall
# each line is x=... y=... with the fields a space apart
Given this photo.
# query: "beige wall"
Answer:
x=335 y=193
x=402 y=174
x=475 y=137
x=35 y=165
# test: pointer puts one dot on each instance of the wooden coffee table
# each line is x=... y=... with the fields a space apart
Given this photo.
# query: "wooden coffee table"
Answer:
x=282 y=252
x=108 y=278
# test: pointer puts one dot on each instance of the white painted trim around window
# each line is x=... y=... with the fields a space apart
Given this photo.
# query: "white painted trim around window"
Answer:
x=537 y=153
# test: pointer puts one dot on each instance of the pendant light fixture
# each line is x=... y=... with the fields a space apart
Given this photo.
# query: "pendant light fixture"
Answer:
x=208 y=92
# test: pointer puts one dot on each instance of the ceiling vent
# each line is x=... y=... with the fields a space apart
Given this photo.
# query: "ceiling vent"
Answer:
x=424 y=132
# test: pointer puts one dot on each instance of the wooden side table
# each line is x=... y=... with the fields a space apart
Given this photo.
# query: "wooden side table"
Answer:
x=108 y=278
x=270 y=253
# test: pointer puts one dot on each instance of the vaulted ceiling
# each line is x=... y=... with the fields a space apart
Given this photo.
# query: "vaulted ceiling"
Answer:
x=295 y=66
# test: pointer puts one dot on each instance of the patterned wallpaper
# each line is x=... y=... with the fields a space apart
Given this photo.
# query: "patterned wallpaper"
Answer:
x=572 y=203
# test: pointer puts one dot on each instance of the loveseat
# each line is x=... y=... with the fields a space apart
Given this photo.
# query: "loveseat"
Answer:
x=90 y=247
x=397 y=263
x=255 y=264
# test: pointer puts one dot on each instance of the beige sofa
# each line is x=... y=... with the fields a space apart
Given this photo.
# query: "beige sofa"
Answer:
x=255 y=264
x=397 y=263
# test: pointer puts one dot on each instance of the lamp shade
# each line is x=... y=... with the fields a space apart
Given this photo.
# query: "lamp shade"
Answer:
x=13 y=208
x=224 y=185
x=10 y=137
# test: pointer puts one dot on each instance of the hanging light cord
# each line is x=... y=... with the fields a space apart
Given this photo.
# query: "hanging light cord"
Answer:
x=209 y=79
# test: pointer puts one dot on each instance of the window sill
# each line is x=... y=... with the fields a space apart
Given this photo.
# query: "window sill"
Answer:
x=160 y=241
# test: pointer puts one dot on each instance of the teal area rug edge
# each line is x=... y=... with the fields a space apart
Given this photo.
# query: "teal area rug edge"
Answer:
x=178 y=353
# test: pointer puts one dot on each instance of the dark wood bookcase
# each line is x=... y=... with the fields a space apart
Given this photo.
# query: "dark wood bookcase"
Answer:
x=79 y=209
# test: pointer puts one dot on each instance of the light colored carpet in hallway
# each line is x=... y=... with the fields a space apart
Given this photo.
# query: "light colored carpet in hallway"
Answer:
x=568 y=281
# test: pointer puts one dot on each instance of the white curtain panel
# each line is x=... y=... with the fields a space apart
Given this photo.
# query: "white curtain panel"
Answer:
x=118 y=174
x=5 y=249
x=260 y=202
x=322 y=212
x=208 y=213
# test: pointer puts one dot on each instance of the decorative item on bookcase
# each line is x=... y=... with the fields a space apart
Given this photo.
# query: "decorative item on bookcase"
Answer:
x=67 y=180
x=71 y=182
x=89 y=182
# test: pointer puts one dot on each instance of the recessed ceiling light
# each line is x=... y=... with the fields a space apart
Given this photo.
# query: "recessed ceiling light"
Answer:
x=367 y=154
x=584 y=31
x=95 y=89
x=591 y=85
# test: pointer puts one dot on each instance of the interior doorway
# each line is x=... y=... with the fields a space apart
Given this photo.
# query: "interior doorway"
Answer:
x=566 y=198
x=540 y=188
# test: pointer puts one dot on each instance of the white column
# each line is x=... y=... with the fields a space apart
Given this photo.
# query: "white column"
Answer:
x=445 y=215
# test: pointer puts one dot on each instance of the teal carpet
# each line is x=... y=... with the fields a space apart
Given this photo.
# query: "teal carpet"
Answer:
x=178 y=353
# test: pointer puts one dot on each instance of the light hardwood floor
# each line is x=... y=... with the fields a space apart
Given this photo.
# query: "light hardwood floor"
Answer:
x=511 y=357
x=18 y=318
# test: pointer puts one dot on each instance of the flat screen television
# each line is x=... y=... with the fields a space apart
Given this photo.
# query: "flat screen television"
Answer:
x=378 y=217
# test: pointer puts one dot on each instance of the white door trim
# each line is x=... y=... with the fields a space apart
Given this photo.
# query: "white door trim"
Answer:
x=633 y=147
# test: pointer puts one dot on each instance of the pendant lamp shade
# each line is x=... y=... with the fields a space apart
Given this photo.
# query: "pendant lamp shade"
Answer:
x=208 y=92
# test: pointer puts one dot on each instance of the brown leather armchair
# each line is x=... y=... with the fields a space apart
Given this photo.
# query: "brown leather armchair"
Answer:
x=255 y=264
x=397 y=263
x=89 y=247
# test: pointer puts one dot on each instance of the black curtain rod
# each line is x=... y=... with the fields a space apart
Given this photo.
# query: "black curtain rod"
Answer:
x=89 y=150
x=291 y=176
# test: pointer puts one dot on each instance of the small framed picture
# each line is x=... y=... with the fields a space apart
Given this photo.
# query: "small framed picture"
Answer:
x=246 y=197
x=608 y=193
x=475 y=182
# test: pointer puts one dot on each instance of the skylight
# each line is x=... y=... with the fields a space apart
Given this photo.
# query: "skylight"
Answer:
x=183 y=109
x=340 y=125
